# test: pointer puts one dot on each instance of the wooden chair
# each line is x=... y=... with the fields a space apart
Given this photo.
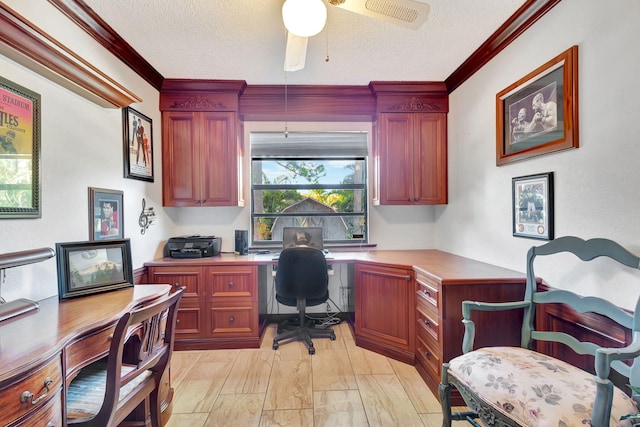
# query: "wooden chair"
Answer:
x=106 y=391
x=515 y=386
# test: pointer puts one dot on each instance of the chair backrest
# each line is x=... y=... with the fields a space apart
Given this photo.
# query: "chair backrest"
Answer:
x=148 y=333
x=587 y=251
x=302 y=273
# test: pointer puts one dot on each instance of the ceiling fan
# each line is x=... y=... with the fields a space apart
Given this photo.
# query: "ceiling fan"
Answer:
x=306 y=18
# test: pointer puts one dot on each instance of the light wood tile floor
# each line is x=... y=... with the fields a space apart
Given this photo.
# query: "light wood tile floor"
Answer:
x=340 y=385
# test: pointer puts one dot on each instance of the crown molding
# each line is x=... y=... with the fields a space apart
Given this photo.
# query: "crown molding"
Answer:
x=25 y=43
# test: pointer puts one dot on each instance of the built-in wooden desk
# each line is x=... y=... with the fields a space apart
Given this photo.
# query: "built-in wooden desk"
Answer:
x=408 y=303
x=42 y=350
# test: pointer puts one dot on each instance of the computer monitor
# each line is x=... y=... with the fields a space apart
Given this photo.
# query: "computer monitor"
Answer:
x=302 y=236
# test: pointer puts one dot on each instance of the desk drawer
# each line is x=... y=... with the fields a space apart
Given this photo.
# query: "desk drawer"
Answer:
x=50 y=415
x=87 y=350
x=43 y=385
x=237 y=319
x=427 y=291
x=429 y=357
x=227 y=282
x=428 y=323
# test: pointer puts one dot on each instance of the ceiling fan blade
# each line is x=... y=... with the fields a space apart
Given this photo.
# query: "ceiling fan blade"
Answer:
x=407 y=13
x=296 y=52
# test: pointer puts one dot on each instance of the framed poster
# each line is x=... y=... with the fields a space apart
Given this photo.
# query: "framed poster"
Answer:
x=538 y=114
x=86 y=268
x=532 y=197
x=138 y=145
x=20 y=180
x=106 y=216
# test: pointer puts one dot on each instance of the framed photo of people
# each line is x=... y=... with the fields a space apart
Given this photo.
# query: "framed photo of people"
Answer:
x=138 y=145
x=20 y=180
x=106 y=214
x=538 y=114
x=532 y=197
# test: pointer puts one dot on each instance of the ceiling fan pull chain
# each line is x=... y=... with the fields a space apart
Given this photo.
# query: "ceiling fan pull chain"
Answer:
x=326 y=28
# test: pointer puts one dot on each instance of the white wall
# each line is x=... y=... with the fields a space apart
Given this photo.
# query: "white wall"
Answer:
x=595 y=186
x=81 y=147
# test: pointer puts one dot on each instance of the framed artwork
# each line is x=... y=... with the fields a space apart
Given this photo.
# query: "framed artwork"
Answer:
x=532 y=197
x=106 y=214
x=86 y=268
x=20 y=180
x=538 y=114
x=138 y=145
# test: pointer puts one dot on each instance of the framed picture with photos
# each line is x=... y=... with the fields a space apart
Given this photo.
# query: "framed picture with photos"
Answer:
x=532 y=197
x=138 y=145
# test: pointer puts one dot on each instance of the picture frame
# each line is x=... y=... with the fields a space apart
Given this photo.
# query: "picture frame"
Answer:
x=92 y=267
x=138 y=145
x=532 y=202
x=20 y=177
x=538 y=114
x=106 y=214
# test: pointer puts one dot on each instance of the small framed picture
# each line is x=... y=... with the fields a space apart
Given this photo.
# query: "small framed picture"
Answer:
x=86 y=268
x=138 y=145
x=106 y=214
x=532 y=197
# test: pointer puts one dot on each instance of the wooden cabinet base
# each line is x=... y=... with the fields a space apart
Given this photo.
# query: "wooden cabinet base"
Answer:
x=392 y=352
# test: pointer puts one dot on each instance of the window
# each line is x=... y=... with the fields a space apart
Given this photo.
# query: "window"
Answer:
x=309 y=179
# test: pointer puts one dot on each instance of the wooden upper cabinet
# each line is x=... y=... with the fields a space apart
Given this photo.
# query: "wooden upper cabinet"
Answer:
x=411 y=145
x=201 y=143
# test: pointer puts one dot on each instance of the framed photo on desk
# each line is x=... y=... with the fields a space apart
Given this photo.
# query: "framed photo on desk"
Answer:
x=86 y=268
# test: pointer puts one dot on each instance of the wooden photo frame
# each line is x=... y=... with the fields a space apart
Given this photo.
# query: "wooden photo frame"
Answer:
x=106 y=214
x=538 y=114
x=138 y=145
x=20 y=179
x=532 y=202
x=86 y=268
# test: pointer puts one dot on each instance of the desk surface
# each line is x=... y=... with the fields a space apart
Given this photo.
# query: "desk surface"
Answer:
x=447 y=268
x=40 y=334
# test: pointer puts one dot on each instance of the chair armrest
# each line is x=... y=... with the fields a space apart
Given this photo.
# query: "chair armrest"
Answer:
x=470 y=327
x=605 y=357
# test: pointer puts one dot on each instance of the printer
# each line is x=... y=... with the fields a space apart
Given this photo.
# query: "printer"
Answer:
x=192 y=246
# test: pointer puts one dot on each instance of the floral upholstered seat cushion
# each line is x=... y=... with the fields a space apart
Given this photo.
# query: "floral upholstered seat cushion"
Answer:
x=534 y=389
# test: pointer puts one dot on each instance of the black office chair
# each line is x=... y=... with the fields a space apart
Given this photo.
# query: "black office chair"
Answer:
x=302 y=280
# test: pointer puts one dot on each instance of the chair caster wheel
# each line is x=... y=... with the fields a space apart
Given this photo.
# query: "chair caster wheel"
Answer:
x=312 y=350
x=275 y=346
x=332 y=337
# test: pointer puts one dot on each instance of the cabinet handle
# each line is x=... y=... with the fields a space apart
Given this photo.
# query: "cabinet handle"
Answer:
x=427 y=354
x=177 y=320
x=231 y=319
x=427 y=323
x=231 y=284
x=426 y=292
x=176 y=285
x=27 y=396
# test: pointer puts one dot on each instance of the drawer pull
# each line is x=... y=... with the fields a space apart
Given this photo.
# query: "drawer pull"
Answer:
x=231 y=284
x=176 y=285
x=27 y=396
x=427 y=323
x=427 y=355
x=232 y=319
x=426 y=292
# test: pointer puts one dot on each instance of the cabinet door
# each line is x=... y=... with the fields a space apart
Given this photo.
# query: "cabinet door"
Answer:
x=219 y=159
x=191 y=316
x=430 y=158
x=385 y=311
x=395 y=151
x=180 y=159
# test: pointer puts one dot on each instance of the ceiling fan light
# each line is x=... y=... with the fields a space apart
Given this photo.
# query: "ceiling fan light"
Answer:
x=304 y=18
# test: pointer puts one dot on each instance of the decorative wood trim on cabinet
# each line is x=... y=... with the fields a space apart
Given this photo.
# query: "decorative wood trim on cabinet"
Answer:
x=30 y=46
x=307 y=103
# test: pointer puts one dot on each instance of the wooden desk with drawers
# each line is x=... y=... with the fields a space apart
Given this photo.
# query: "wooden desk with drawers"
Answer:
x=408 y=303
x=42 y=350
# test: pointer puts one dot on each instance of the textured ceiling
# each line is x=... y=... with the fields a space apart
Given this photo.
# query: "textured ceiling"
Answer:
x=245 y=40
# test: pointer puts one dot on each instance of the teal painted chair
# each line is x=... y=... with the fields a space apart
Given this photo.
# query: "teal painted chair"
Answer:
x=516 y=386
